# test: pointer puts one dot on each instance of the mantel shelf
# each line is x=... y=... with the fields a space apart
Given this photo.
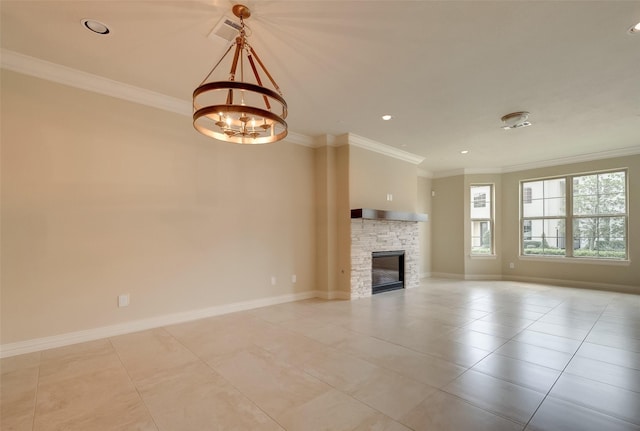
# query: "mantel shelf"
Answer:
x=371 y=214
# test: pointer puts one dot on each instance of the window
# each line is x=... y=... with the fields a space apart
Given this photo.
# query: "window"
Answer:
x=482 y=219
x=600 y=215
x=590 y=207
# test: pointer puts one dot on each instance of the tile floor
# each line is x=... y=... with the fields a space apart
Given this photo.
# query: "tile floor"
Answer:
x=450 y=355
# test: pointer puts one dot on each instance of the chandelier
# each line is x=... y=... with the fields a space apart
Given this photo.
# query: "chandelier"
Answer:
x=236 y=110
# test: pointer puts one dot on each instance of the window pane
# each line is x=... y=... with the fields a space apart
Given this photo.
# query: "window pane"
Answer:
x=554 y=207
x=585 y=204
x=547 y=237
x=554 y=188
x=599 y=237
x=480 y=237
x=599 y=194
x=481 y=202
x=533 y=207
x=612 y=182
x=547 y=198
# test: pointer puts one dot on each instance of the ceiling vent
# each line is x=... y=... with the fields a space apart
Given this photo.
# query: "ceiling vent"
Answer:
x=225 y=29
x=515 y=120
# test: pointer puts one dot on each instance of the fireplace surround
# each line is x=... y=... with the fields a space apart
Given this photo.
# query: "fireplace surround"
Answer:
x=376 y=231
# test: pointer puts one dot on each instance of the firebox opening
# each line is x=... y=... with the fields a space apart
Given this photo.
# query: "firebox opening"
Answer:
x=387 y=271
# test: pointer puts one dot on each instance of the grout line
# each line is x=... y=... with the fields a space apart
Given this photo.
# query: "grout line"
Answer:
x=565 y=367
x=126 y=370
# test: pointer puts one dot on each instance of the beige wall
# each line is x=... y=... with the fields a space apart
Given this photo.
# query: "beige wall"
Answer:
x=626 y=277
x=343 y=157
x=372 y=176
x=102 y=197
x=447 y=227
x=424 y=229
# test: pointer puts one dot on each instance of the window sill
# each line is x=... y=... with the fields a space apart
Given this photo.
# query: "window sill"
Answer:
x=579 y=260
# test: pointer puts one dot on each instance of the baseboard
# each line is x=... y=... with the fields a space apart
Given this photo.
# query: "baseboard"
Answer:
x=332 y=295
x=483 y=277
x=38 y=344
x=621 y=288
x=447 y=275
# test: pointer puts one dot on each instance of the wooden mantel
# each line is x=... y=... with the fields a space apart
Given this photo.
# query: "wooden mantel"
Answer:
x=371 y=214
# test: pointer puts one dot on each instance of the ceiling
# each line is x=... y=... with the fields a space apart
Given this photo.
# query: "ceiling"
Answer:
x=446 y=70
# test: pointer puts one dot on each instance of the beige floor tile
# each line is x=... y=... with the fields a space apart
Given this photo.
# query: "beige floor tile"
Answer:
x=380 y=422
x=548 y=341
x=274 y=386
x=421 y=367
x=332 y=410
x=444 y=412
x=77 y=360
x=103 y=400
x=559 y=415
x=521 y=373
x=391 y=393
x=197 y=398
x=604 y=372
x=565 y=331
x=534 y=354
x=16 y=423
x=607 y=399
x=617 y=341
x=18 y=398
x=612 y=355
x=477 y=339
x=149 y=355
x=339 y=370
x=495 y=329
x=457 y=353
x=498 y=396
x=14 y=363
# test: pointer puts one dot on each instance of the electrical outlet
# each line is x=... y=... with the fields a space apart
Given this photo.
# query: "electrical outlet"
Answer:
x=294 y=278
x=273 y=280
x=512 y=265
x=123 y=300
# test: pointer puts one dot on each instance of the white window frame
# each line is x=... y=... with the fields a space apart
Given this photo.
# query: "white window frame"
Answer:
x=490 y=220
x=570 y=218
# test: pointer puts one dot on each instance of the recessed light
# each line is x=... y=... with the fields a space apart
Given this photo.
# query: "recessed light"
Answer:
x=635 y=29
x=95 y=26
x=464 y=152
x=387 y=117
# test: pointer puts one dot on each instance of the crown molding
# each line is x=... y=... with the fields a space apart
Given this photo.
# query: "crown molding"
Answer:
x=300 y=139
x=42 y=69
x=368 y=144
x=610 y=154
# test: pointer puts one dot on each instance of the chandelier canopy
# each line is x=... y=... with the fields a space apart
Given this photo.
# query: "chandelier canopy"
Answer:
x=236 y=110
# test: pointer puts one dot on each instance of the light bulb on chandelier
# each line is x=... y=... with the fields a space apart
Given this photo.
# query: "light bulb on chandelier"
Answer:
x=259 y=118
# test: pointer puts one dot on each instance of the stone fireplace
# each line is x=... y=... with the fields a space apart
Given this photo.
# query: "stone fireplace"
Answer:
x=383 y=231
